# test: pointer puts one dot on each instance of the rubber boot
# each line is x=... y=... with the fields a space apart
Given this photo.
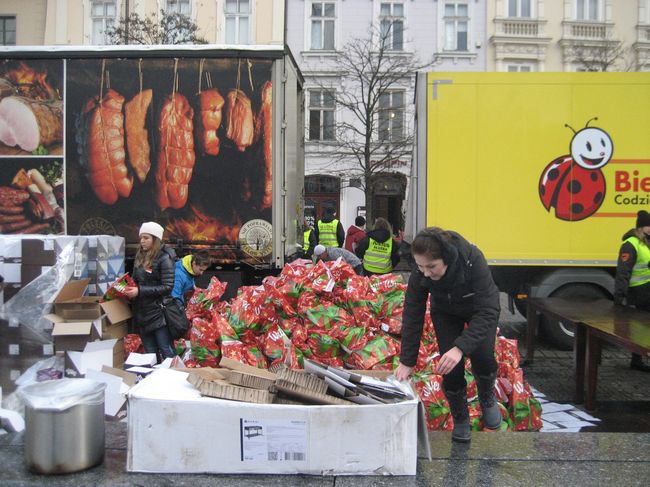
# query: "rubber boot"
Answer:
x=491 y=414
x=458 y=406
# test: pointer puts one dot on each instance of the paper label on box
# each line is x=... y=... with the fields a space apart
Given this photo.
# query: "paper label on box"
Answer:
x=78 y=264
x=14 y=349
x=273 y=440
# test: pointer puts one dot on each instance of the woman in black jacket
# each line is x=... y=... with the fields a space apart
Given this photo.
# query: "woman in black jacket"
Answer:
x=153 y=272
x=453 y=274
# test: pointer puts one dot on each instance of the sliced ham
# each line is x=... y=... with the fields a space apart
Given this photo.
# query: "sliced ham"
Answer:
x=30 y=123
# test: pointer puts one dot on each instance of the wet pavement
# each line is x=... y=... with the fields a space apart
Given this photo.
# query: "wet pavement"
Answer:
x=615 y=450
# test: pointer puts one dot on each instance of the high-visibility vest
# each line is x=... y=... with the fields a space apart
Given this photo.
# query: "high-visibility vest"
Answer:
x=640 y=271
x=377 y=257
x=327 y=233
x=305 y=240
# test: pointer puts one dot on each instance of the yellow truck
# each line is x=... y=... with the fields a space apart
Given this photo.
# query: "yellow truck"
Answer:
x=543 y=171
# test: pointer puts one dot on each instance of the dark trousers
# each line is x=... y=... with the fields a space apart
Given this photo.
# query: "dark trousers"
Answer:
x=448 y=328
x=159 y=339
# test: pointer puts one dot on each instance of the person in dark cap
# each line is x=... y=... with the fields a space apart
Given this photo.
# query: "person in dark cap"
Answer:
x=329 y=230
x=632 y=284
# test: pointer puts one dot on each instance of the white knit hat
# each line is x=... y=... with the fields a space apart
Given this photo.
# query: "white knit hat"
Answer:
x=319 y=250
x=152 y=228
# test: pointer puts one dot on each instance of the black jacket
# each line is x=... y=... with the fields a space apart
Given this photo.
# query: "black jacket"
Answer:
x=638 y=295
x=153 y=286
x=380 y=235
x=340 y=232
x=467 y=291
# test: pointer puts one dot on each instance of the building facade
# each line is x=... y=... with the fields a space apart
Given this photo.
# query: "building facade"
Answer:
x=442 y=35
x=84 y=22
x=568 y=35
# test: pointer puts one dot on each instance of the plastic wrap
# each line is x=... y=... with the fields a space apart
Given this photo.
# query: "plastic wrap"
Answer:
x=59 y=395
x=34 y=300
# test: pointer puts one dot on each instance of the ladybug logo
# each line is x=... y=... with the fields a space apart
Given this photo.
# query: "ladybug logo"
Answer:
x=574 y=184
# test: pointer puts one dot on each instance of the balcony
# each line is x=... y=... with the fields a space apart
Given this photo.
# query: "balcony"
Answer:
x=579 y=30
x=643 y=33
x=518 y=27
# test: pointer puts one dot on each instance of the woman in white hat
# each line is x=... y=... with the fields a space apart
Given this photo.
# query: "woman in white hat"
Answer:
x=153 y=272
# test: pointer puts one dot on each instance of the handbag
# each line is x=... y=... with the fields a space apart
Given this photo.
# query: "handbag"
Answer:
x=175 y=317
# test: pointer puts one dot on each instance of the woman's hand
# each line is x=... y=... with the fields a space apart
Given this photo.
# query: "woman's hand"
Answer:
x=131 y=292
x=449 y=360
x=403 y=372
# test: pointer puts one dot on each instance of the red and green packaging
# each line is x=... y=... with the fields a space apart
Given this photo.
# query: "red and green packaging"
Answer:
x=352 y=337
x=380 y=348
x=274 y=343
x=525 y=410
x=133 y=343
x=429 y=388
x=116 y=290
x=323 y=345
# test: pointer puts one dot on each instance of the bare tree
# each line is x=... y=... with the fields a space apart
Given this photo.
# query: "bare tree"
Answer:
x=375 y=135
x=602 y=55
x=168 y=28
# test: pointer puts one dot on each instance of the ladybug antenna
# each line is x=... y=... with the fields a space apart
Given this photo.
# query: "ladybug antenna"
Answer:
x=587 y=124
x=570 y=127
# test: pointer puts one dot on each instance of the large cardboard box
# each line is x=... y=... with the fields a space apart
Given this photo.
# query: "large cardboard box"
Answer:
x=219 y=436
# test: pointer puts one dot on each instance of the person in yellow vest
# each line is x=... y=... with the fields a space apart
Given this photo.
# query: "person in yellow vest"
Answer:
x=308 y=240
x=329 y=231
x=632 y=284
x=379 y=251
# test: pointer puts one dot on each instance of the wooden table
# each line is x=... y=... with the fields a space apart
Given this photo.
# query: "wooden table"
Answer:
x=594 y=322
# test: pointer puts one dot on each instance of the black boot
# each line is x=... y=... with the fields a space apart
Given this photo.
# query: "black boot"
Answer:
x=637 y=363
x=491 y=413
x=458 y=406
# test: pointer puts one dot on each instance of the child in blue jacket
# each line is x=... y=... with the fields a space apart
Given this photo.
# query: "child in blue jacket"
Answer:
x=187 y=270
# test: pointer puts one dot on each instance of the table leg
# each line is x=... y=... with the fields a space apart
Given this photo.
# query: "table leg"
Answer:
x=593 y=355
x=579 y=345
x=532 y=316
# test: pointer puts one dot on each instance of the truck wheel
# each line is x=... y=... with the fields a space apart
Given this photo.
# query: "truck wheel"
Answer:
x=561 y=334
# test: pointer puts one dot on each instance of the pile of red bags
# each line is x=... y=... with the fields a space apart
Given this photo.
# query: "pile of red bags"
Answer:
x=328 y=313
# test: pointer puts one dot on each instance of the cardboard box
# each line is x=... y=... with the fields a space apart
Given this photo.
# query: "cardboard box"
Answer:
x=94 y=356
x=70 y=305
x=263 y=438
x=74 y=335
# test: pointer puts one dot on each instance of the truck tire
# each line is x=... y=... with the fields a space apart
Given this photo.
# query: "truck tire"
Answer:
x=561 y=334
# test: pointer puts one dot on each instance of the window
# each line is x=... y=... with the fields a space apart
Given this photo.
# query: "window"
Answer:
x=321 y=115
x=391 y=116
x=237 y=21
x=519 y=8
x=323 y=15
x=587 y=10
x=391 y=15
x=178 y=7
x=8 y=31
x=456 y=20
x=519 y=68
x=103 y=16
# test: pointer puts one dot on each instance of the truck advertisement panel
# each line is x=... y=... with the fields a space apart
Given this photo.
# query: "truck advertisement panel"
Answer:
x=98 y=144
x=31 y=138
x=538 y=168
